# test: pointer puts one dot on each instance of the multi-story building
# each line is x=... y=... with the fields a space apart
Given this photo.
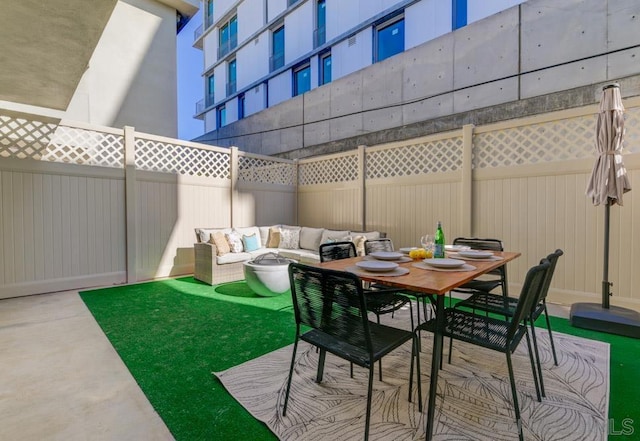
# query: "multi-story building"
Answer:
x=112 y=63
x=258 y=53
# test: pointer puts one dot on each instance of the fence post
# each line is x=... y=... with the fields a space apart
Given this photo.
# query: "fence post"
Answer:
x=296 y=195
x=467 y=180
x=130 y=202
x=362 y=172
x=233 y=174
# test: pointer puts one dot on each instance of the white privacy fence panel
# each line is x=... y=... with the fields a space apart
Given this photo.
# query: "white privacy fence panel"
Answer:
x=334 y=169
x=265 y=170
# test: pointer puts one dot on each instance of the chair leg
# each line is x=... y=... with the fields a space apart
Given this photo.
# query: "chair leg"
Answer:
x=415 y=352
x=379 y=361
x=369 y=393
x=514 y=393
x=323 y=355
x=293 y=360
x=553 y=347
x=537 y=356
x=533 y=365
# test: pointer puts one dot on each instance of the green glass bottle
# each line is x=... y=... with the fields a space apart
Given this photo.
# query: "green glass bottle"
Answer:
x=438 y=252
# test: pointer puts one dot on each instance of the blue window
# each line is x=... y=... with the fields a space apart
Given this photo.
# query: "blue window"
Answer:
x=301 y=80
x=221 y=116
x=210 y=91
x=277 y=48
x=241 y=106
x=389 y=38
x=209 y=14
x=231 y=77
x=320 y=33
x=228 y=37
x=325 y=68
x=459 y=16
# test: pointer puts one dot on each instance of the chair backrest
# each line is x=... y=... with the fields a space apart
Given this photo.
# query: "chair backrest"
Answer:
x=479 y=244
x=533 y=284
x=337 y=251
x=332 y=302
x=373 y=245
x=553 y=260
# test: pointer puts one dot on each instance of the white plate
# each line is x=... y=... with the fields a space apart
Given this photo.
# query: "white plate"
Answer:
x=377 y=266
x=444 y=263
x=386 y=255
x=476 y=254
x=407 y=250
x=456 y=247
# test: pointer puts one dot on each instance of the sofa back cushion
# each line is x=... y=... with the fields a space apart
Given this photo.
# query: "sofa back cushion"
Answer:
x=220 y=241
x=329 y=236
x=310 y=238
x=248 y=231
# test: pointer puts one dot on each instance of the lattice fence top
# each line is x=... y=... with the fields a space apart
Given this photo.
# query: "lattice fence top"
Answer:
x=175 y=158
x=331 y=170
x=265 y=171
x=560 y=140
x=439 y=156
x=24 y=139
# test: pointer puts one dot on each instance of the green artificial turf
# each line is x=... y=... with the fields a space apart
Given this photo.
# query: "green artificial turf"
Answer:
x=173 y=334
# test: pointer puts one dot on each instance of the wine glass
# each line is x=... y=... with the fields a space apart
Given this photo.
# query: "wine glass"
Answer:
x=427 y=242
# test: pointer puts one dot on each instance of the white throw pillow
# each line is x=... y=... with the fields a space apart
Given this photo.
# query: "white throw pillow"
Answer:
x=235 y=242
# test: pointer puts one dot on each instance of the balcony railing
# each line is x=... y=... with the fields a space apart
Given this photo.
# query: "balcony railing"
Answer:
x=200 y=107
x=209 y=100
x=198 y=32
x=319 y=36
x=208 y=21
x=231 y=88
x=227 y=46
x=276 y=61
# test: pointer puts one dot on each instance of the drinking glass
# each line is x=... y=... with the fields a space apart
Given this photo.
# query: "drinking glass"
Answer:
x=427 y=242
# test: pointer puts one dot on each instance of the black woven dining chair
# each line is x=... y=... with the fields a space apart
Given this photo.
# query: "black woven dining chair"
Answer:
x=380 y=300
x=374 y=245
x=498 y=304
x=333 y=304
x=498 y=277
x=499 y=334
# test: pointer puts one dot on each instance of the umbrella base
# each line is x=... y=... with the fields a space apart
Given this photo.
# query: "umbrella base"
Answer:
x=613 y=320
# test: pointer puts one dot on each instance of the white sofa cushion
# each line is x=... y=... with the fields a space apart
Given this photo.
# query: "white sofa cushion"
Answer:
x=334 y=236
x=233 y=258
x=248 y=231
x=310 y=238
x=370 y=235
x=204 y=234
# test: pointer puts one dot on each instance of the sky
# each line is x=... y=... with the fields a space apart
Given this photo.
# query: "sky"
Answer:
x=190 y=82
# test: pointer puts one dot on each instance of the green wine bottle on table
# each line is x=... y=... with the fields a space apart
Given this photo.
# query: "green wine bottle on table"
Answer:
x=438 y=252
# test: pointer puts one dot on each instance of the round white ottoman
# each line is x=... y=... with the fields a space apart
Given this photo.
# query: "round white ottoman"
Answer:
x=268 y=275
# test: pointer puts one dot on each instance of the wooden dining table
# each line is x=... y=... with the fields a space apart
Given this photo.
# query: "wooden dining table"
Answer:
x=433 y=284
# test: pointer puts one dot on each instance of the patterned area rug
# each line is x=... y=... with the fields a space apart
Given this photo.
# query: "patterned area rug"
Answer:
x=474 y=396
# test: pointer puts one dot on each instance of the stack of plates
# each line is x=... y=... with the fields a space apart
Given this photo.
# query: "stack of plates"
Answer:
x=475 y=254
x=377 y=266
x=444 y=263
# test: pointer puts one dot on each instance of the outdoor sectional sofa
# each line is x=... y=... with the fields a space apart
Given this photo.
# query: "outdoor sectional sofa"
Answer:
x=221 y=262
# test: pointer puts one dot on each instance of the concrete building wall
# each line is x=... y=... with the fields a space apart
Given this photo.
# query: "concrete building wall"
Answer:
x=479 y=9
x=494 y=69
x=130 y=78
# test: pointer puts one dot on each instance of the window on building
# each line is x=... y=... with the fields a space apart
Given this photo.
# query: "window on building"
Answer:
x=320 y=33
x=301 y=79
x=231 y=77
x=291 y=2
x=389 y=38
x=241 y=106
x=325 y=68
x=459 y=16
x=210 y=88
x=209 y=14
x=228 y=37
x=277 y=48
x=221 y=116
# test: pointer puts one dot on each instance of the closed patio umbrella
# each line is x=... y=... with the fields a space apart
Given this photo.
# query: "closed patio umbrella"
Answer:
x=607 y=184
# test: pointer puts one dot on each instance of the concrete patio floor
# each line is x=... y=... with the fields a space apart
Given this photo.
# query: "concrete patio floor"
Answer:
x=60 y=378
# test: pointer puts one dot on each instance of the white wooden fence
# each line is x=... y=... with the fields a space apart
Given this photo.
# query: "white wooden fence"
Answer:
x=88 y=206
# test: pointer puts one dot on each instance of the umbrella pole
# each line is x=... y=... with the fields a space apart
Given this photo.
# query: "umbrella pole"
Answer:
x=606 y=285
